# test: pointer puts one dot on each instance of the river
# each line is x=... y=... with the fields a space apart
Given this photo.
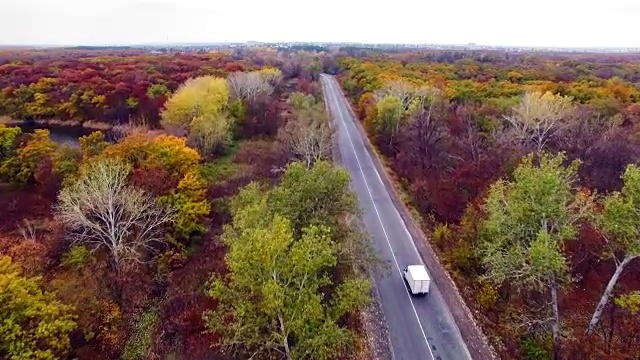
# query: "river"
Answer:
x=60 y=134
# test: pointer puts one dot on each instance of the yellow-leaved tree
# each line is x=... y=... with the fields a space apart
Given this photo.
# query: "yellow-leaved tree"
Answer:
x=33 y=323
x=203 y=96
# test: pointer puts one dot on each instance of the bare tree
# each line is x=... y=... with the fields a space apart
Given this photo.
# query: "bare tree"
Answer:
x=308 y=136
x=401 y=89
x=250 y=86
x=102 y=211
x=28 y=231
x=538 y=117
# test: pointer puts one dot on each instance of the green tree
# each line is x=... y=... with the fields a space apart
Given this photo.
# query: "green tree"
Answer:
x=316 y=196
x=528 y=221
x=21 y=168
x=8 y=141
x=320 y=196
x=271 y=303
x=620 y=222
x=156 y=90
x=301 y=101
x=33 y=324
x=314 y=69
x=390 y=112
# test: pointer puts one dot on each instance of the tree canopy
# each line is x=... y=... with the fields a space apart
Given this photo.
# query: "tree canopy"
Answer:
x=33 y=323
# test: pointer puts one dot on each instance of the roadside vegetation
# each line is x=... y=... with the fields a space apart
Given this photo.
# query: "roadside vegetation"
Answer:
x=522 y=169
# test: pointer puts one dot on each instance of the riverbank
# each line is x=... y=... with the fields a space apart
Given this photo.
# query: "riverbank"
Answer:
x=67 y=131
x=88 y=125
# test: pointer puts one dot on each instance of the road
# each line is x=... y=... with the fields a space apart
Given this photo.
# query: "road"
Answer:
x=419 y=327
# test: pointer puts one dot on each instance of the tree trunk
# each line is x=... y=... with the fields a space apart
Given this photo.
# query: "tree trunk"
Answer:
x=117 y=282
x=285 y=340
x=607 y=293
x=555 y=327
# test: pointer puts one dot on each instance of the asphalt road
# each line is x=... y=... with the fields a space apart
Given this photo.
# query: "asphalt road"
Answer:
x=420 y=327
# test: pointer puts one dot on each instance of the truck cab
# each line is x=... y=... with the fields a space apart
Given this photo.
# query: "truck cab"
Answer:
x=417 y=278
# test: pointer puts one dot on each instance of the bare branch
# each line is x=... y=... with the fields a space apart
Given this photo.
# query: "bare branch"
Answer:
x=308 y=137
x=101 y=210
x=250 y=86
x=538 y=117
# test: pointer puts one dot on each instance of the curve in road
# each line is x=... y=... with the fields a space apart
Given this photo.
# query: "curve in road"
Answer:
x=419 y=327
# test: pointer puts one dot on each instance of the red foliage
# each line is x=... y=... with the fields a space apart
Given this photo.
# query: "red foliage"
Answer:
x=80 y=78
x=181 y=315
x=17 y=205
x=263 y=157
x=155 y=180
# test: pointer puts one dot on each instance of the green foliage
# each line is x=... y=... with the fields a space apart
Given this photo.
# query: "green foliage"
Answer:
x=156 y=90
x=33 y=324
x=92 y=144
x=629 y=302
x=537 y=347
x=218 y=170
x=77 y=257
x=132 y=102
x=318 y=196
x=301 y=101
x=314 y=68
x=389 y=110
x=237 y=111
x=441 y=234
x=8 y=141
x=139 y=343
x=621 y=215
x=273 y=291
x=66 y=160
x=280 y=292
x=529 y=219
x=21 y=168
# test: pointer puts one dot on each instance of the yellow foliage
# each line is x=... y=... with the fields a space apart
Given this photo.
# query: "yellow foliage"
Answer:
x=21 y=168
x=166 y=151
x=487 y=295
x=35 y=325
x=192 y=206
x=192 y=185
x=92 y=144
x=202 y=96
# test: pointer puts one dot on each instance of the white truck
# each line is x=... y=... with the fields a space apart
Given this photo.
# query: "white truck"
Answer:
x=417 y=278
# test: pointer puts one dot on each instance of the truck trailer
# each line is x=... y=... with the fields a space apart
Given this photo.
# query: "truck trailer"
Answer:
x=417 y=278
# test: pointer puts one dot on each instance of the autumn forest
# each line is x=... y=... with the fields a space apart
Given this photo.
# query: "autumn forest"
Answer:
x=204 y=215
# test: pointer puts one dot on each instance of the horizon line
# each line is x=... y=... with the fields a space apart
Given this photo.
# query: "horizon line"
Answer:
x=187 y=43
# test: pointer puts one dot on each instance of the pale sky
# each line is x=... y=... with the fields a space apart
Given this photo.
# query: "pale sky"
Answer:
x=575 y=23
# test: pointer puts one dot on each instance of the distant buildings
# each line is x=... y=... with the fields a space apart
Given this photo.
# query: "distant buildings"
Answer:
x=319 y=46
